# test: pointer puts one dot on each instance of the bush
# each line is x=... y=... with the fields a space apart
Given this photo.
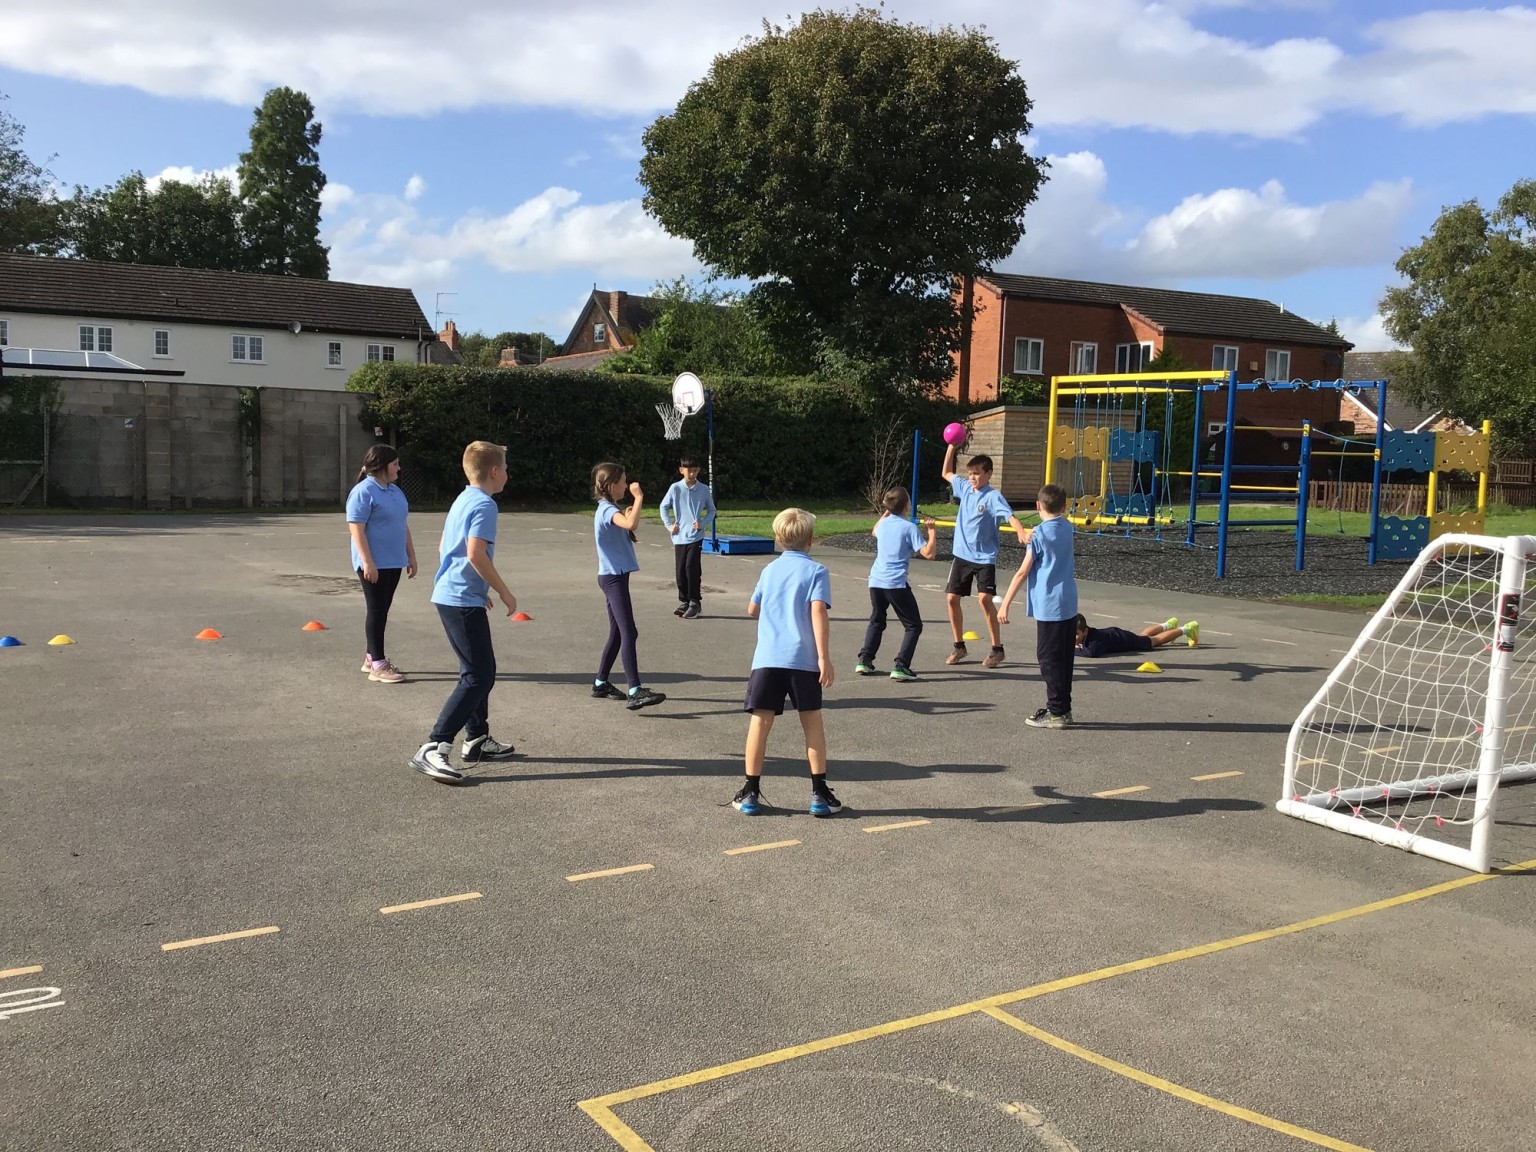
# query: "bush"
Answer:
x=774 y=438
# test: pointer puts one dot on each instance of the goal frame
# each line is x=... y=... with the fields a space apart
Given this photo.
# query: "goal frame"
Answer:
x=1502 y=630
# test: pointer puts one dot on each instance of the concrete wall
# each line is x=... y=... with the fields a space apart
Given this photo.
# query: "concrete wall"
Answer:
x=152 y=444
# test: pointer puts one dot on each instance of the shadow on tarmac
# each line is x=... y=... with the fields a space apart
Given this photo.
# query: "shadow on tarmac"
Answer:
x=1067 y=808
x=726 y=768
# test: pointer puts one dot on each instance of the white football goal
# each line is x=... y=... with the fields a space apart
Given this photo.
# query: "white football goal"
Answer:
x=1433 y=707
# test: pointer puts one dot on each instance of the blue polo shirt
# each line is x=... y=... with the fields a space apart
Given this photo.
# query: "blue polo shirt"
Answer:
x=976 y=521
x=457 y=584
x=683 y=505
x=615 y=550
x=381 y=510
x=896 y=542
x=1052 y=583
x=784 y=594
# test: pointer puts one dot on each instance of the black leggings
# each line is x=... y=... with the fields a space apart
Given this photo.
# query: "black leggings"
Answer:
x=622 y=630
x=378 y=597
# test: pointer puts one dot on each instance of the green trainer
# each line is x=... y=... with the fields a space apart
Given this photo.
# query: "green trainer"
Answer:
x=1192 y=632
x=864 y=669
x=900 y=673
x=1170 y=624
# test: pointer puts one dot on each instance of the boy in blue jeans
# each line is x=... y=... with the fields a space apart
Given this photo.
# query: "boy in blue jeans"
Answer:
x=975 y=549
x=793 y=659
x=686 y=510
x=1052 y=602
x=466 y=577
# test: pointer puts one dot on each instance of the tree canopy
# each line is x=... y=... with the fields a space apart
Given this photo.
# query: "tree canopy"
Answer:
x=1468 y=311
x=701 y=328
x=29 y=217
x=855 y=166
x=482 y=351
x=280 y=186
x=175 y=224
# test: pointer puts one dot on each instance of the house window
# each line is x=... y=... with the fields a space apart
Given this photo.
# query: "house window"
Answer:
x=1215 y=428
x=163 y=342
x=95 y=339
x=1132 y=357
x=384 y=352
x=599 y=333
x=1224 y=358
x=1028 y=354
x=333 y=354
x=1084 y=358
x=5 y=333
x=247 y=349
x=1277 y=364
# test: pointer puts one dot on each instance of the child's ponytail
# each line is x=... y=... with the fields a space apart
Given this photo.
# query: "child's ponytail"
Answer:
x=376 y=459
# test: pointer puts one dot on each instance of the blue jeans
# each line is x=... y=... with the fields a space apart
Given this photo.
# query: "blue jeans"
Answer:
x=469 y=632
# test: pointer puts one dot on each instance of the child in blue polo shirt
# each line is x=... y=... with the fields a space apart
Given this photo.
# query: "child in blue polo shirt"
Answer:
x=461 y=592
x=792 y=604
x=687 y=510
x=897 y=540
x=615 y=535
x=382 y=548
x=1052 y=602
x=975 y=549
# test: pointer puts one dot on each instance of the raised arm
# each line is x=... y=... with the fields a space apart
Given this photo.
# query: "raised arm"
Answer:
x=931 y=549
x=949 y=463
x=631 y=519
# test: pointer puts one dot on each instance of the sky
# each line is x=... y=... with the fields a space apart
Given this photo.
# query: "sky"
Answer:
x=486 y=155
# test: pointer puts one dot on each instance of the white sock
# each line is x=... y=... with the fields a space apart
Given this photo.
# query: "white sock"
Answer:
x=1182 y=629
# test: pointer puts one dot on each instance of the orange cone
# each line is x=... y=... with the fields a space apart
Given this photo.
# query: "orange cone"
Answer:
x=209 y=634
x=520 y=616
x=315 y=626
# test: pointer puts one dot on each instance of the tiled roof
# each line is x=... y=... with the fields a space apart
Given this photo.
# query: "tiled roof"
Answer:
x=1378 y=366
x=96 y=288
x=636 y=314
x=1185 y=313
x=578 y=361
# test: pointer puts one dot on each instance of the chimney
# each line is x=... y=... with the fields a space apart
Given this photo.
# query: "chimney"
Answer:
x=450 y=336
x=509 y=358
x=615 y=307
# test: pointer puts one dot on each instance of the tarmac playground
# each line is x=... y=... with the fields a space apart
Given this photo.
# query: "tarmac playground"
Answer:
x=235 y=918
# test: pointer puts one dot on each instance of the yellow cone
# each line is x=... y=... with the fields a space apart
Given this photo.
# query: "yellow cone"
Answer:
x=969 y=636
x=60 y=639
x=1149 y=667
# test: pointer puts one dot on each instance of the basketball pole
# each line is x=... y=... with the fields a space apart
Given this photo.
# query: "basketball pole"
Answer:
x=714 y=489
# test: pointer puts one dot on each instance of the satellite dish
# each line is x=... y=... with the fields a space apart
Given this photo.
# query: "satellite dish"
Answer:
x=296 y=327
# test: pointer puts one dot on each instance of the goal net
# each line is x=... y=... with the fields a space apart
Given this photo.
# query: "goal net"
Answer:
x=1433 y=707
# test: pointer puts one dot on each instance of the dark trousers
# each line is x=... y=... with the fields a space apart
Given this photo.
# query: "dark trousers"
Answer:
x=1055 y=644
x=622 y=630
x=904 y=604
x=690 y=571
x=469 y=633
x=378 y=597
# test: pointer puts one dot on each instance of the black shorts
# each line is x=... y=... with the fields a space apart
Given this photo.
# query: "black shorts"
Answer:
x=767 y=688
x=962 y=572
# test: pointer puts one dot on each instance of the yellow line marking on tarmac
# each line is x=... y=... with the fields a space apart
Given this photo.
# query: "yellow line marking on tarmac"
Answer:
x=761 y=847
x=1234 y=1110
x=219 y=938
x=600 y=1108
x=1015 y=807
x=1384 y=751
x=903 y=824
x=1216 y=776
x=433 y=903
x=28 y=971
x=610 y=872
x=1123 y=791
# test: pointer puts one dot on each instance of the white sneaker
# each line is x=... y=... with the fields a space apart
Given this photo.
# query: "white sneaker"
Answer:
x=432 y=759
x=485 y=748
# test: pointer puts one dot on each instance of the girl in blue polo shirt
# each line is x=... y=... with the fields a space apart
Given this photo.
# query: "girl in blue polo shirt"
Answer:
x=615 y=534
x=381 y=549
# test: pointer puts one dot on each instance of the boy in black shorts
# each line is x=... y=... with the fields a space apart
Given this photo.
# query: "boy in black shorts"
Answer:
x=793 y=659
x=975 y=549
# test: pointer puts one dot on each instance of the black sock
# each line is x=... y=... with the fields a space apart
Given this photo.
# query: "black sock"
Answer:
x=997 y=647
x=959 y=643
x=752 y=783
x=819 y=783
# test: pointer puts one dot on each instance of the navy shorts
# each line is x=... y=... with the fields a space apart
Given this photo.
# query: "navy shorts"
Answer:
x=767 y=688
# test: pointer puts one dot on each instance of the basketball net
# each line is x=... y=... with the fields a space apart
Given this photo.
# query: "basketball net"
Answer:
x=672 y=418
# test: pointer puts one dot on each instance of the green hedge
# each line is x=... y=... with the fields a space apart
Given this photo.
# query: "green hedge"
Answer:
x=774 y=439
x=22 y=399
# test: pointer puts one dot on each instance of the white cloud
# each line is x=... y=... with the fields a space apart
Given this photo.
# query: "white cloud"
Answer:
x=185 y=174
x=414 y=187
x=1368 y=334
x=1129 y=63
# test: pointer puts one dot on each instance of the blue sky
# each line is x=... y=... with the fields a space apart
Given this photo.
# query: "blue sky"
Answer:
x=1286 y=149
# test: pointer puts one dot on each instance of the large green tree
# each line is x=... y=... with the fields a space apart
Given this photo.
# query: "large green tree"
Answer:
x=1468 y=311
x=702 y=328
x=854 y=166
x=176 y=224
x=29 y=217
x=482 y=351
x=280 y=186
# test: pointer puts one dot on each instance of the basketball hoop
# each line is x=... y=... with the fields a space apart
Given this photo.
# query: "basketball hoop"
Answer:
x=672 y=418
x=687 y=398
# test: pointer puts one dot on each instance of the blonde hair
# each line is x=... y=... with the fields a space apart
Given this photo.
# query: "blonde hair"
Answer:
x=793 y=529
x=480 y=457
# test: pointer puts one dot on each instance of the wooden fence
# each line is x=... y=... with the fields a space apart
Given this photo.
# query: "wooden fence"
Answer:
x=1410 y=499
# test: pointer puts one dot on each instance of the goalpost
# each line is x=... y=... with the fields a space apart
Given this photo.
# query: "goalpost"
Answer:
x=1432 y=708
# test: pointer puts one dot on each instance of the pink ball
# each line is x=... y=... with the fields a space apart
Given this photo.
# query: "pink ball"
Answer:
x=954 y=434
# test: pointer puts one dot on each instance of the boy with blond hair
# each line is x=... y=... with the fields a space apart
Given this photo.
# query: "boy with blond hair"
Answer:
x=793 y=659
x=466 y=577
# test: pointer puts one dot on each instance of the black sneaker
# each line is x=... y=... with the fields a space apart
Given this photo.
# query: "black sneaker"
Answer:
x=485 y=749
x=748 y=801
x=680 y=609
x=823 y=802
x=603 y=690
x=643 y=698
x=691 y=612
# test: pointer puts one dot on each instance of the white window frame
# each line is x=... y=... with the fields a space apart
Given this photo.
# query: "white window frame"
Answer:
x=155 y=344
x=333 y=354
x=599 y=332
x=1215 y=428
x=1028 y=356
x=1122 y=356
x=1277 y=357
x=1224 y=357
x=95 y=337
x=1083 y=358
x=381 y=353
x=247 y=349
x=5 y=333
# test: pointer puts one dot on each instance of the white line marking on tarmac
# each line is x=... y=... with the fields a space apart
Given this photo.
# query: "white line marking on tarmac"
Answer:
x=10 y=1007
x=1287 y=643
